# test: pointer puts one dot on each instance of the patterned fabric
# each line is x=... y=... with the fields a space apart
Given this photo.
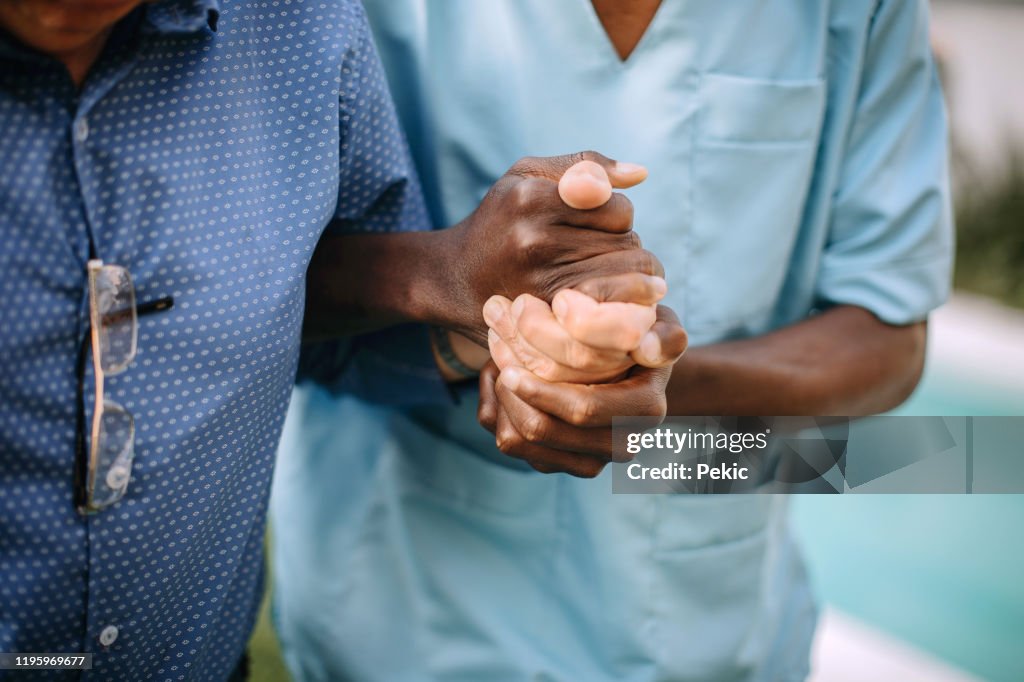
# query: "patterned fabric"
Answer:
x=207 y=151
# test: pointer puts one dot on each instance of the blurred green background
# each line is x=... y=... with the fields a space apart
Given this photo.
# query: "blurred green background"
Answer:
x=264 y=653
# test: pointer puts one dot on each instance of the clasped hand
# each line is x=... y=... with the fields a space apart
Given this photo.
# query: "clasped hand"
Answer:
x=559 y=373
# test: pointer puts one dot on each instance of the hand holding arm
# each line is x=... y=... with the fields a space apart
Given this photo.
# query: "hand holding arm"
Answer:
x=522 y=238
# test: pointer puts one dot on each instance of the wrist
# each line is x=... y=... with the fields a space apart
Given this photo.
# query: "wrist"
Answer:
x=423 y=284
x=441 y=291
x=457 y=357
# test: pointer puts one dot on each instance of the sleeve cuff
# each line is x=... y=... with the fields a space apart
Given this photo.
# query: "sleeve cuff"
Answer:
x=897 y=294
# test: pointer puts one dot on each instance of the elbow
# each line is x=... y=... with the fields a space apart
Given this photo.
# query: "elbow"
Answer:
x=909 y=366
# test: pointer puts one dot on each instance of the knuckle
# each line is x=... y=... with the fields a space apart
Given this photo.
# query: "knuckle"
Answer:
x=500 y=189
x=618 y=213
x=486 y=419
x=633 y=240
x=542 y=366
x=583 y=411
x=527 y=165
x=578 y=356
x=507 y=440
x=573 y=321
x=647 y=262
x=680 y=341
x=588 y=287
x=658 y=406
x=535 y=428
x=601 y=290
x=584 y=359
x=530 y=240
x=525 y=193
x=529 y=325
x=624 y=206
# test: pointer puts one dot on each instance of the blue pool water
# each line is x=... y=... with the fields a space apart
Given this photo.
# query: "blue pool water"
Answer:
x=944 y=572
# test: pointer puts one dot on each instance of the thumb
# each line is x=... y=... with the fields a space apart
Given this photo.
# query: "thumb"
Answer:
x=621 y=175
x=585 y=185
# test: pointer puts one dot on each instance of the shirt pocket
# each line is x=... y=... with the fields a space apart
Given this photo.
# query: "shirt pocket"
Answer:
x=755 y=146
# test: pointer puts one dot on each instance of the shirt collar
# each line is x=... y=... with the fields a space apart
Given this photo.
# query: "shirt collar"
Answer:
x=182 y=16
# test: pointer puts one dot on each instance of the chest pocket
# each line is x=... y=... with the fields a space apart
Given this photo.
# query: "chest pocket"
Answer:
x=754 y=152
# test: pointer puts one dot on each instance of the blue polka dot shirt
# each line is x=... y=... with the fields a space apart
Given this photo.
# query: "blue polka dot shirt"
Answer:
x=208 y=150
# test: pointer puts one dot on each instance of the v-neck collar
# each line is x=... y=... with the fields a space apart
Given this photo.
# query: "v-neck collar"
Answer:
x=608 y=46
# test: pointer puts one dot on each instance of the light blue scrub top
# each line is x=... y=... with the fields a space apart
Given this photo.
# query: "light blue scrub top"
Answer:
x=797 y=156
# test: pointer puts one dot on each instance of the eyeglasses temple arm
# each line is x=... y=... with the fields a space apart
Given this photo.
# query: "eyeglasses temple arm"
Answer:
x=155 y=306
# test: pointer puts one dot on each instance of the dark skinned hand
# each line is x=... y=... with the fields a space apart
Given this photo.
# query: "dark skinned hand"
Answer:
x=526 y=237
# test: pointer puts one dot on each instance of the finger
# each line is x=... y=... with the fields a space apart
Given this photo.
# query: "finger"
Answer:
x=540 y=429
x=498 y=316
x=505 y=356
x=664 y=344
x=543 y=459
x=539 y=334
x=641 y=394
x=613 y=263
x=487 y=408
x=585 y=186
x=610 y=326
x=622 y=175
x=525 y=333
x=522 y=354
x=541 y=197
x=629 y=287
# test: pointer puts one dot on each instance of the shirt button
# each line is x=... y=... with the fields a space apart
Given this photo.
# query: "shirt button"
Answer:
x=81 y=130
x=108 y=635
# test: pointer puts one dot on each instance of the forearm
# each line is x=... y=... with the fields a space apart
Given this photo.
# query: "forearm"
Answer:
x=842 y=362
x=360 y=282
x=522 y=238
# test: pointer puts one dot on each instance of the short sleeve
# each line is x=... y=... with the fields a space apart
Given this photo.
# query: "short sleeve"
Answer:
x=378 y=189
x=378 y=192
x=890 y=242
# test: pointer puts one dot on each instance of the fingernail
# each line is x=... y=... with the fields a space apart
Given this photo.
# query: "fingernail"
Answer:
x=559 y=307
x=492 y=312
x=659 y=285
x=486 y=414
x=590 y=171
x=517 y=307
x=650 y=347
x=629 y=168
x=511 y=378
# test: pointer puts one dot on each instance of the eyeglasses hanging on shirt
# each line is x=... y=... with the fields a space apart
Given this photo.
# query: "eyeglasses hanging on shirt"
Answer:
x=102 y=472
